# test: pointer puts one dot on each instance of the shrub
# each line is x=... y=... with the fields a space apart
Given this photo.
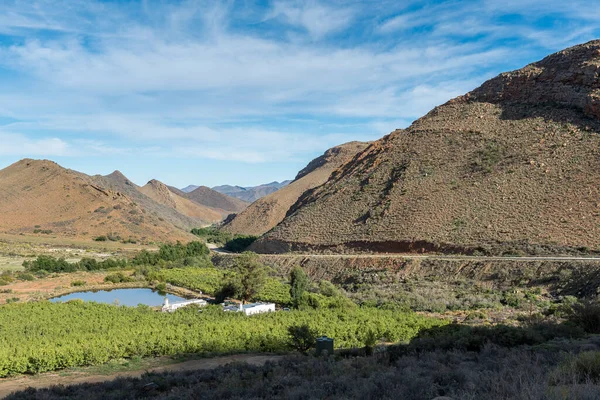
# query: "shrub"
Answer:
x=101 y=238
x=240 y=243
x=302 y=338
x=49 y=264
x=582 y=368
x=78 y=283
x=118 y=277
x=586 y=314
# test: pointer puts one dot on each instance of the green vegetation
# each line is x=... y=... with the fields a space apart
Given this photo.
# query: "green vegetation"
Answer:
x=302 y=338
x=51 y=264
x=170 y=253
x=240 y=243
x=77 y=283
x=298 y=285
x=212 y=235
x=493 y=373
x=230 y=242
x=247 y=278
x=193 y=253
x=46 y=336
x=118 y=277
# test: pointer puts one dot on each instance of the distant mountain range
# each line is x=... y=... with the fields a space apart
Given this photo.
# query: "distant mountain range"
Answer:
x=40 y=196
x=247 y=194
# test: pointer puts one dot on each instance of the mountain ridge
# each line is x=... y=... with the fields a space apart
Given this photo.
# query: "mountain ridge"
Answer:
x=503 y=168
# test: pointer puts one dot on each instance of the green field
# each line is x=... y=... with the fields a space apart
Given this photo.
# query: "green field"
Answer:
x=44 y=336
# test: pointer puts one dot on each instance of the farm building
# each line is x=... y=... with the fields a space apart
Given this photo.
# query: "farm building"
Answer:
x=252 y=308
x=172 y=307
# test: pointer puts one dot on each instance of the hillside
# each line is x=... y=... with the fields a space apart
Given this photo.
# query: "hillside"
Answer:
x=251 y=193
x=510 y=167
x=160 y=193
x=211 y=198
x=42 y=197
x=120 y=183
x=265 y=213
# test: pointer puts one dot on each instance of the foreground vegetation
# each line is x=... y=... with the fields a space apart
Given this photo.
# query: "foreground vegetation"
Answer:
x=43 y=336
x=556 y=370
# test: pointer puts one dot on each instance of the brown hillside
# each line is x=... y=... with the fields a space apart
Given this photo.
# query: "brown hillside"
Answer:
x=512 y=166
x=41 y=195
x=160 y=193
x=120 y=183
x=262 y=215
x=211 y=198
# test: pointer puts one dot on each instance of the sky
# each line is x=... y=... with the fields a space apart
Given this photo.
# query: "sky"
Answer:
x=247 y=92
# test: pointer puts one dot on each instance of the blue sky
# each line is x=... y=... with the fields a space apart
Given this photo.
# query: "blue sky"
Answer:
x=246 y=92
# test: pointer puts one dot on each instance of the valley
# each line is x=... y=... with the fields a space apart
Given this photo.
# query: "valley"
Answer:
x=446 y=257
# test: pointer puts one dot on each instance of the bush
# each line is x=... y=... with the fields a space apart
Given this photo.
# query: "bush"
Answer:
x=302 y=338
x=101 y=238
x=474 y=338
x=78 y=283
x=240 y=243
x=49 y=264
x=586 y=315
x=583 y=368
x=118 y=277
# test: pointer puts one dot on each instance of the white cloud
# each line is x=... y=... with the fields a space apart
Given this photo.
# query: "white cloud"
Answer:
x=180 y=80
x=317 y=18
x=19 y=145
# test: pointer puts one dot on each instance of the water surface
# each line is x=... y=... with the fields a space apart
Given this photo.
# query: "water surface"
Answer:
x=124 y=297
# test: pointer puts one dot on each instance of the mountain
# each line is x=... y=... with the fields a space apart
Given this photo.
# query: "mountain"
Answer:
x=211 y=198
x=266 y=212
x=41 y=196
x=252 y=193
x=161 y=193
x=510 y=167
x=189 y=188
x=120 y=183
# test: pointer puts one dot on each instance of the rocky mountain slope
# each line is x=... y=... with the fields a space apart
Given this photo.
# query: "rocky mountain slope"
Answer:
x=510 y=167
x=252 y=193
x=265 y=213
x=120 y=183
x=42 y=197
x=211 y=198
x=160 y=193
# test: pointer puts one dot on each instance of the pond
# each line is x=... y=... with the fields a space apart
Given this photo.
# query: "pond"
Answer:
x=124 y=297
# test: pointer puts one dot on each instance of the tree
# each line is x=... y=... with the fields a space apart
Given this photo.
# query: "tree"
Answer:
x=298 y=285
x=302 y=338
x=250 y=276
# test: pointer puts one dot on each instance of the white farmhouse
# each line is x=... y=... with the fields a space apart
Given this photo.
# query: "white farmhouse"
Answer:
x=172 y=307
x=252 y=308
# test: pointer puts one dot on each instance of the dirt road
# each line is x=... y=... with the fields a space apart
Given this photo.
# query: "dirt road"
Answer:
x=10 y=385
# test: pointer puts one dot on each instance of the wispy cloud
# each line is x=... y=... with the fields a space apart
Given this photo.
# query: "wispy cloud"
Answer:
x=318 y=19
x=18 y=145
x=251 y=82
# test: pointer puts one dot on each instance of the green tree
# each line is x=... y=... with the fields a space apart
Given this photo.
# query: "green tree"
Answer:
x=298 y=285
x=302 y=337
x=249 y=276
